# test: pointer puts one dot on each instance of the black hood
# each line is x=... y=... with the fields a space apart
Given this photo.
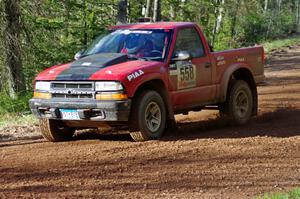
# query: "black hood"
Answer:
x=84 y=68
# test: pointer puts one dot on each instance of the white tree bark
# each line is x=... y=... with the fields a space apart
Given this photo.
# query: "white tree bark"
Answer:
x=172 y=12
x=148 y=8
x=279 y=5
x=266 y=6
x=219 y=18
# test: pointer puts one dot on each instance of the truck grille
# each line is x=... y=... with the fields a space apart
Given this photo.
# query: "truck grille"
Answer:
x=67 y=85
x=72 y=90
x=77 y=96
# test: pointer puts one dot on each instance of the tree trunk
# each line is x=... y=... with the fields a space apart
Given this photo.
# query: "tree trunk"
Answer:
x=156 y=11
x=148 y=8
x=298 y=16
x=233 y=22
x=67 y=7
x=85 y=26
x=219 y=18
x=279 y=5
x=172 y=13
x=15 y=76
x=122 y=12
x=266 y=6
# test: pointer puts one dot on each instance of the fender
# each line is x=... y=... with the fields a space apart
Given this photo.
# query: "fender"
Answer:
x=152 y=77
x=134 y=85
x=226 y=78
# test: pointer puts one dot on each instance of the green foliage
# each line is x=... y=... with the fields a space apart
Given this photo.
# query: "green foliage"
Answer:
x=294 y=194
x=258 y=26
x=19 y=105
x=55 y=30
x=255 y=27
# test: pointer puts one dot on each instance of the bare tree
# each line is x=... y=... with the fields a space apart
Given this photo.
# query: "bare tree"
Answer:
x=279 y=5
x=266 y=6
x=15 y=76
x=148 y=8
x=122 y=12
x=219 y=17
x=157 y=11
x=172 y=12
x=297 y=15
x=234 y=21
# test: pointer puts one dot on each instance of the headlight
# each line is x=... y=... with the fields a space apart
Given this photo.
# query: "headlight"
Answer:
x=42 y=86
x=108 y=86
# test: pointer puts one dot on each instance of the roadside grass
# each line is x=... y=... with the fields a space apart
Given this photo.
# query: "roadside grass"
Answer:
x=15 y=112
x=280 y=43
x=14 y=119
x=294 y=194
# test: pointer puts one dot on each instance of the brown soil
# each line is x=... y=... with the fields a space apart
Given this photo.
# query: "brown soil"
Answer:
x=203 y=159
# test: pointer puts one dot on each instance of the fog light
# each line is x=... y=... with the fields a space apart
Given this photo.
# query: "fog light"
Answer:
x=40 y=95
x=111 y=96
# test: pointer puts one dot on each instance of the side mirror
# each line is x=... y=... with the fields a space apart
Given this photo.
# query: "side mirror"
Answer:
x=211 y=48
x=79 y=54
x=182 y=56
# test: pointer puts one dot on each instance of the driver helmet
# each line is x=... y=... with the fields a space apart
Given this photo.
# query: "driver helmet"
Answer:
x=134 y=43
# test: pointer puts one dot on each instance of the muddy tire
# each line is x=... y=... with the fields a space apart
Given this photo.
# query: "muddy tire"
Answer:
x=239 y=104
x=148 y=117
x=55 y=131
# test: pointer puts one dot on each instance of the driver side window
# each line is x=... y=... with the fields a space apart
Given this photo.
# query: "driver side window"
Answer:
x=188 y=40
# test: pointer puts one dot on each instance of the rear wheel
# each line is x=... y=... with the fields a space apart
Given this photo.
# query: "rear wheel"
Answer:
x=239 y=104
x=55 y=131
x=148 y=117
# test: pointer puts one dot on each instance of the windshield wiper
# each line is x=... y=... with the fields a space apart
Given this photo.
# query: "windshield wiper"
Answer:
x=134 y=57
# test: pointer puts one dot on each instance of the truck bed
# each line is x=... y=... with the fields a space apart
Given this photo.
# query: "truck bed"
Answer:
x=252 y=57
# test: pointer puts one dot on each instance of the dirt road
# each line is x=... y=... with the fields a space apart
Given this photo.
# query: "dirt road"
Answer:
x=203 y=159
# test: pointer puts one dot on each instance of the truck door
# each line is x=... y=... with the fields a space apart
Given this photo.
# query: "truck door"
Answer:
x=190 y=80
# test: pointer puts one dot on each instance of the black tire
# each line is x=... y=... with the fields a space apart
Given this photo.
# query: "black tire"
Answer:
x=142 y=125
x=239 y=103
x=55 y=131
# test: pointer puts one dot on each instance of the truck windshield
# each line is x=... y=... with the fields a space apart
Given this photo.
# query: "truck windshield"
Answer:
x=138 y=44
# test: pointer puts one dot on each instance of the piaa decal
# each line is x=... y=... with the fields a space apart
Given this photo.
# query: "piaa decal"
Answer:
x=135 y=75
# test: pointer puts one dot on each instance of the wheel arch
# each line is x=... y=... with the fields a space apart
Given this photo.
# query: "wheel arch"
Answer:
x=159 y=86
x=239 y=72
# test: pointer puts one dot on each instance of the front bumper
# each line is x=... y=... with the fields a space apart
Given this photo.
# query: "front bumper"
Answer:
x=91 y=110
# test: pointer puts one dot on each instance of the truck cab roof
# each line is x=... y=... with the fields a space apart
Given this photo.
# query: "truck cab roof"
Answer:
x=156 y=25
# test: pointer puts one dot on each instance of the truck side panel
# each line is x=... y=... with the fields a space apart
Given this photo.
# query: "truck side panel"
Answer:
x=251 y=57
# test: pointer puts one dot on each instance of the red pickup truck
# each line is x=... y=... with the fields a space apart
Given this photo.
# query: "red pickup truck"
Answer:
x=140 y=76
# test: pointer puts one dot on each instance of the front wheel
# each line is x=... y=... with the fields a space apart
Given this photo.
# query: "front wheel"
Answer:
x=148 y=117
x=239 y=104
x=55 y=131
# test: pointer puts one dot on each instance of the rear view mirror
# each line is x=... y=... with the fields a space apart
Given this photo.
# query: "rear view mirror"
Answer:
x=79 y=54
x=182 y=56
